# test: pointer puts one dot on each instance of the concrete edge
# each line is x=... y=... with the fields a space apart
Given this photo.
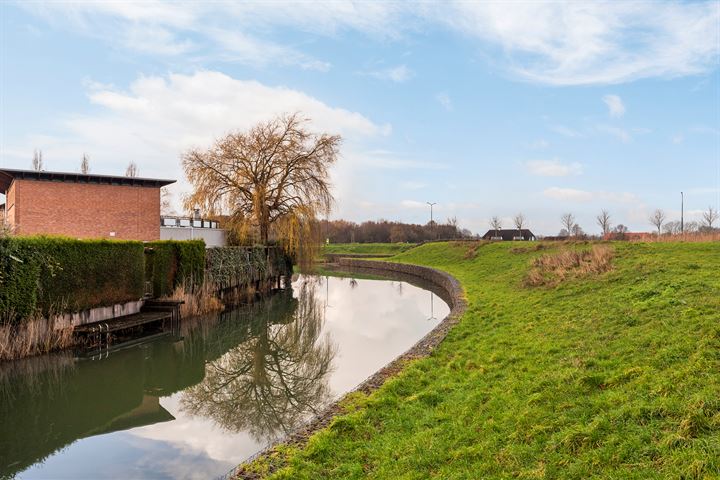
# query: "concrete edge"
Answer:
x=455 y=296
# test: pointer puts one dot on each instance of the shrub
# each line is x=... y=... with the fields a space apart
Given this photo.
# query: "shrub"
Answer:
x=236 y=266
x=172 y=262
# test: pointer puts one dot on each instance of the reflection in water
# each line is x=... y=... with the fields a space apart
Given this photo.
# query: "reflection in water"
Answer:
x=273 y=381
x=195 y=406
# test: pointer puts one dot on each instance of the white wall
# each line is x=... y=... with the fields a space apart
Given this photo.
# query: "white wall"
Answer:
x=214 y=237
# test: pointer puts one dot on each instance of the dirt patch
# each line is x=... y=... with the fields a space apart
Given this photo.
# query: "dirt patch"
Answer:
x=552 y=269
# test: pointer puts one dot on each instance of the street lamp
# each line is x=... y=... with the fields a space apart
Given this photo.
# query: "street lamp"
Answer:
x=432 y=226
x=682 y=213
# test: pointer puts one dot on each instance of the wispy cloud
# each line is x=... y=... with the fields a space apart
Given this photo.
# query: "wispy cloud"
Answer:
x=565 y=131
x=558 y=43
x=615 y=105
x=444 y=99
x=617 y=132
x=398 y=74
x=553 y=168
x=583 y=196
x=412 y=185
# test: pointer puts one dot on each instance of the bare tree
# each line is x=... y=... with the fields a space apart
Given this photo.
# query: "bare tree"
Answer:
x=85 y=164
x=568 y=222
x=496 y=224
x=37 y=161
x=272 y=179
x=577 y=231
x=131 y=170
x=603 y=220
x=710 y=216
x=658 y=218
x=166 y=202
x=519 y=221
x=453 y=224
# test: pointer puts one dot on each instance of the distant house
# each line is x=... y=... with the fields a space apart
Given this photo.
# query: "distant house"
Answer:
x=509 y=235
x=82 y=205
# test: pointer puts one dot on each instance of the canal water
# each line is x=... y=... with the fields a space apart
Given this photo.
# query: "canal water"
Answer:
x=197 y=404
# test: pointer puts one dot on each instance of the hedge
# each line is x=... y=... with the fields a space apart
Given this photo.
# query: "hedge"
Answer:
x=172 y=262
x=57 y=275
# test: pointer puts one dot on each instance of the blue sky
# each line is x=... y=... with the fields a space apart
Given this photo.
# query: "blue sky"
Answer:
x=487 y=108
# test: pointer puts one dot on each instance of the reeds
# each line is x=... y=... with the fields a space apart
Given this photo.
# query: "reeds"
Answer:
x=553 y=269
x=199 y=300
x=34 y=336
x=682 y=237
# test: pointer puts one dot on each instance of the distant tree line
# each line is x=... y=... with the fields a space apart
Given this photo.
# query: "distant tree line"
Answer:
x=386 y=231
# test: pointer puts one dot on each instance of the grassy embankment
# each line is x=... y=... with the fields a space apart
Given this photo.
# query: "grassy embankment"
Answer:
x=368 y=248
x=605 y=375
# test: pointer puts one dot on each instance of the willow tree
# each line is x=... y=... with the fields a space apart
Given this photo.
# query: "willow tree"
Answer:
x=272 y=179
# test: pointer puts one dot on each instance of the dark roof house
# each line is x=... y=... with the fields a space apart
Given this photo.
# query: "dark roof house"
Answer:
x=509 y=234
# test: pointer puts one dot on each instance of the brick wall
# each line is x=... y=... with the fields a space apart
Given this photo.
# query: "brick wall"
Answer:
x=10 y=206
x=83 y=210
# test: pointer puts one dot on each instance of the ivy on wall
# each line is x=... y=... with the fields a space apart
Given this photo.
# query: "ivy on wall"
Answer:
x=174 y=262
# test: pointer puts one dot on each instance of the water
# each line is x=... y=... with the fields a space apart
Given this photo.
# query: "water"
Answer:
x=197 y=406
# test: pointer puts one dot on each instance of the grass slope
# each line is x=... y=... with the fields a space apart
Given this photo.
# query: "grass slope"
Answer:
x=614 y=376
x=367 y=248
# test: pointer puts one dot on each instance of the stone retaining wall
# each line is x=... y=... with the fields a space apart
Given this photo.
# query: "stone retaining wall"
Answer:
x=455 y=297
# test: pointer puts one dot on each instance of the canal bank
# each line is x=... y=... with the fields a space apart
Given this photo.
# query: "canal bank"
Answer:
x=444 y=284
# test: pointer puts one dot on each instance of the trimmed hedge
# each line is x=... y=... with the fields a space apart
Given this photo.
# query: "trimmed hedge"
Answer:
x=57 y=275
x=173 y=262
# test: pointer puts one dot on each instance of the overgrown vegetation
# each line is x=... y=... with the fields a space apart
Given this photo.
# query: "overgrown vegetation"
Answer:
x=43 y=275
x=605 y=376
x=229 y=267
x=554 y=268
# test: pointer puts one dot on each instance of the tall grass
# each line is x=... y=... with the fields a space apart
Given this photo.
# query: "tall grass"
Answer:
x=552 y=269
x=198 y=300
x=684 y=237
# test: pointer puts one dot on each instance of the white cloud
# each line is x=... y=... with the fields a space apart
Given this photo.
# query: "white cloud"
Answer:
x=540 y=144
x=157 y=118
x=583 y=196
x=677 y=139
x=619 y=133
x=414 y=204
x=615 y=105
x=574 y=43
x=565 y=131
x=553 y=168
x=412 y=185
x=444 y=100
x=398 y=74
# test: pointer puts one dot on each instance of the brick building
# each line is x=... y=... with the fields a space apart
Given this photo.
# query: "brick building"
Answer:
x=81 y=205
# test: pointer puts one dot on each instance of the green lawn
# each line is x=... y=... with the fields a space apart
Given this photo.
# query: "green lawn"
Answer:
x=612 y=376
x=367 y=248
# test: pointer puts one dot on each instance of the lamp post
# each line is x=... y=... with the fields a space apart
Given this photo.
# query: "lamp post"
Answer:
x=682 y=213
x=432 y=226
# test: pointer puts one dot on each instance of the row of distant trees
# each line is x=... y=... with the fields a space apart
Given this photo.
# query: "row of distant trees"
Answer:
x=39 y=165
x=385 y=231
x=658 y=219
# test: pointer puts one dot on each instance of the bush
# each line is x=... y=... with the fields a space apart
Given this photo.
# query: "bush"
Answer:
x=58 y=275
x=236 y=266
x=171 y=263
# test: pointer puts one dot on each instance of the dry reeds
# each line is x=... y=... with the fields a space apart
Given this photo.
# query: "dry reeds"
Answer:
x=35 y=336
x=695 y=237
x=553 y=269
x=198 y=300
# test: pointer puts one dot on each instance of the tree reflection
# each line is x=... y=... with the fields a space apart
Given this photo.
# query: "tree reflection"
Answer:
x=272 y=382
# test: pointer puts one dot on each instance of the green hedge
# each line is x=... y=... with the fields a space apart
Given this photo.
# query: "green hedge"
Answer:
x=57 y=275
x=172 y=262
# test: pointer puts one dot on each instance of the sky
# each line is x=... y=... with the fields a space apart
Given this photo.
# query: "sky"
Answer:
x=486 y=108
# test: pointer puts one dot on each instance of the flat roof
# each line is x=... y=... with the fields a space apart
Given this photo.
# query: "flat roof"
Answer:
x=7 y=175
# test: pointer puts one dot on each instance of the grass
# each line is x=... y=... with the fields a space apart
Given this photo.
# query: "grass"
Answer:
x=611 y=374
x=368 y=248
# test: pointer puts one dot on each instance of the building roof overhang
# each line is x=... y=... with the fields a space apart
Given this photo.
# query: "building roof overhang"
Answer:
x=7 y=175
